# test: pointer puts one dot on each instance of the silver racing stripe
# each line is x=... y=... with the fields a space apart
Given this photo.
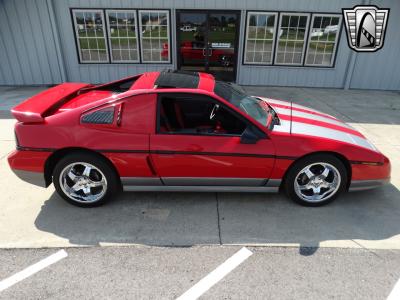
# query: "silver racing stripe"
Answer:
x=316 y=130
x=311 y=109
x=323 y=132
x=283 y=111
x=305 y=115
x=294 y=105
x=284 y=126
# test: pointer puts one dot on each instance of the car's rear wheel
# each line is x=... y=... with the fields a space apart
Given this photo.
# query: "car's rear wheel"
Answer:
x=84 y=180
x=316 y=180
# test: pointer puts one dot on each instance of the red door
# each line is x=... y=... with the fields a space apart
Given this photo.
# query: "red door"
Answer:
x=193 y=146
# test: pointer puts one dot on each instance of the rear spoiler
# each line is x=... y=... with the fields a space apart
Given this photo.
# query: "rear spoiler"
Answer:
x=36 y=108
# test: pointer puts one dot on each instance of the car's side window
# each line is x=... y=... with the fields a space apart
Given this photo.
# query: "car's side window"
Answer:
x=196 y=115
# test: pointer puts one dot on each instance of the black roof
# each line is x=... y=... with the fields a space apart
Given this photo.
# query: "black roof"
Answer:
x=177 y=79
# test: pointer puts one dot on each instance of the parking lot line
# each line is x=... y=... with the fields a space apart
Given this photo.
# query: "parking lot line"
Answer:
x=395 y=293
x=220 y=272
x=29 y=271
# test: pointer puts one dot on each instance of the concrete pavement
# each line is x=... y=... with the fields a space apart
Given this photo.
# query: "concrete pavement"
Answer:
x=166 y=273
x=36 y=217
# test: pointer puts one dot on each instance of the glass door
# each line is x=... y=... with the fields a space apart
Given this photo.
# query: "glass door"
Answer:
x=222 y=50
x=207 y=42
x=192 y=49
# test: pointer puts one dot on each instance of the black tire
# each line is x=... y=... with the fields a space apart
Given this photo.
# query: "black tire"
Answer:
x=289 y=182
x=101 y=164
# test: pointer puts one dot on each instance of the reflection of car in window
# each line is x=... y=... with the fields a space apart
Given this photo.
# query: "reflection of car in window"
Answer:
x=196 y=51
x=188 y=28
x=331 y=28
x=316 y=32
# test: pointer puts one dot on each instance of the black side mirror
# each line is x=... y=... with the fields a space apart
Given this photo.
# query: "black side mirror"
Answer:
x=251 y=135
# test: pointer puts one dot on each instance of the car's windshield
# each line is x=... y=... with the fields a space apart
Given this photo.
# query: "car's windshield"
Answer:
x=237 y=96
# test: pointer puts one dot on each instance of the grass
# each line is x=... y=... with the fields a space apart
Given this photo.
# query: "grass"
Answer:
x=156 y=32
x=122 y=33
x=321 y=46
x=149 y=32
x=214 y=36
x=92 y=43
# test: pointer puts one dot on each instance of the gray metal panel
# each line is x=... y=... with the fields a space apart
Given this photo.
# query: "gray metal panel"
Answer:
x=29 y=52
x=34 y=178
x=362 y=185
x=199 y=188
x=274 y=182
x=295 y=76
x=300 y=76
x=97 y=73
x=380 y=70
x=127 y=181
x=27 y=49
x=212 y=181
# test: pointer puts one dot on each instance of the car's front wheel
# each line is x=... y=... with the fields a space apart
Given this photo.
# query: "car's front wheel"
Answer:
x=316 y=180
x=84 y=180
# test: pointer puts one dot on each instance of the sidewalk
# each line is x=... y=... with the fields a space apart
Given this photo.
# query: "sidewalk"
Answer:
x=10 y=96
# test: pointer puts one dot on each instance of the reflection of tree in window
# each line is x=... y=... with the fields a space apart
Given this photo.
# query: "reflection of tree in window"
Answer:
x=291 y=39
x=122 y=35
x=322 y=40
x=260 y=37
x=154 y=36
x=90 y=34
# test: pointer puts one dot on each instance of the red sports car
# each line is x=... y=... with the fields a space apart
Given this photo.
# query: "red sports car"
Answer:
x=173 y=131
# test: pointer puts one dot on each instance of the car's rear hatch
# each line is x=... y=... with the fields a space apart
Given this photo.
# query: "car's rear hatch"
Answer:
x=36 y=108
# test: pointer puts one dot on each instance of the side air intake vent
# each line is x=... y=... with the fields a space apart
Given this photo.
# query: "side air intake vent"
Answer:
x=104 y=116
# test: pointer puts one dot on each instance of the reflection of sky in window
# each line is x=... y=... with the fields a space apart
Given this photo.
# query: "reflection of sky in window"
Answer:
x=193 y=18
x=322 y=40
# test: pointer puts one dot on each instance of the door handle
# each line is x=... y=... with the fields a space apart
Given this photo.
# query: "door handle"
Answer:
x=204 y=51
x=210 y=52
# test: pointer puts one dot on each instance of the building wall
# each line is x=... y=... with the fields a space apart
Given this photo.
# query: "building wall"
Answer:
x=299 y=76
x=381 y=69
x=37 y=45
x=28 y=52
x=97 y=73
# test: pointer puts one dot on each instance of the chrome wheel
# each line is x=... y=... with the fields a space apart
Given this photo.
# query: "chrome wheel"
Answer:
x=83 y=182
x=317 y=182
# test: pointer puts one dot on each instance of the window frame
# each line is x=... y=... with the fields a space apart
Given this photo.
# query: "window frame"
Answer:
x=167 y=11
x=336 y=42
x=270 y=13
x=76 y=34
x=306 y=33
x=107 y=12
x=200 y=97
x=106 y=36
x=303 y=65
